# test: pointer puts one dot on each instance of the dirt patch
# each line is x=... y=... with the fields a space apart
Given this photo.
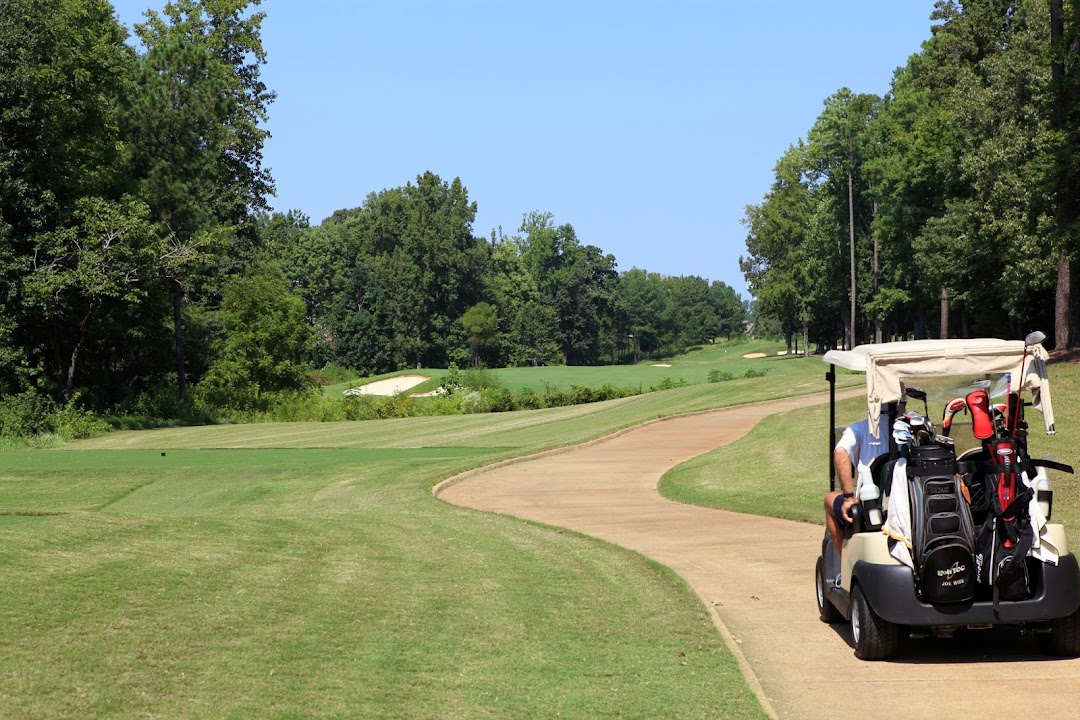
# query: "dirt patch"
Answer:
x=389 y=386
x=1065 y=356
x=754 y=356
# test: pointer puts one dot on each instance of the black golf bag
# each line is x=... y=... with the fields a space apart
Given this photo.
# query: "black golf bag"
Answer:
x=1005 y=538
x=941 y=527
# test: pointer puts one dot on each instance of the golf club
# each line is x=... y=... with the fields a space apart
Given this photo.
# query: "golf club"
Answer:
x=919 y=394
x=1033 y=338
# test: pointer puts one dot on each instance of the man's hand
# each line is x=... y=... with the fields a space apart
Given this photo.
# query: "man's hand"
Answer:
x=845 y=509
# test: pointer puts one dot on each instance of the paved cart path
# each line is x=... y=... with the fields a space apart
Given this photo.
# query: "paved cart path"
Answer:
x=757 y=576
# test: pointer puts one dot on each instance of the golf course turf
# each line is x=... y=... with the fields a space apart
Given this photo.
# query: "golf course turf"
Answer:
x=305 y=570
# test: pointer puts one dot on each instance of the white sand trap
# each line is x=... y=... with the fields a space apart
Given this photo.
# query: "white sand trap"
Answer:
x=430 y=393
x=661 y=364
x=754 y=356
x=781 y=352
x=389 y=386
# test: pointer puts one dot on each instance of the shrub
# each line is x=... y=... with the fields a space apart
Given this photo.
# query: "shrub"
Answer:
x=498 y=400
x=669 y=384
x=473 y=403
x=480 y=378
x=717 y=375
x=555 y=397
x=26 y=414
x=162 y=406
x=752 y=373
x=452 y=381
x=528 y=400
x=332 y=374
x=73 y=422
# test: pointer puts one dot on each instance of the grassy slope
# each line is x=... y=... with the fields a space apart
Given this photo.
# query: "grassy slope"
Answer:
x=286 y=570
x=693 y=367
x=781 y=467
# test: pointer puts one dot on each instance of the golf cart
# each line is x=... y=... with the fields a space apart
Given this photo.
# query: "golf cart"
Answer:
x=946 y=537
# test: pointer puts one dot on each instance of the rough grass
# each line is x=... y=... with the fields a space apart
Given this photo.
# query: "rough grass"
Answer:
x=305 y=570
x=781 y=468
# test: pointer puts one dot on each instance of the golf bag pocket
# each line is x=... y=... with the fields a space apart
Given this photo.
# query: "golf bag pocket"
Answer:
x=944 y=523
x=947 y=572
x=1001 y=561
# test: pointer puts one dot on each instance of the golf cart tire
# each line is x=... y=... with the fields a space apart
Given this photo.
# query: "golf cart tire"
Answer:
x=874 y=638
x=1063 y=639
x=826 y=610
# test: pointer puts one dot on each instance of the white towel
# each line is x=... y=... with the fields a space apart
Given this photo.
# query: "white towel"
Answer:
x=1042 y=548
x=898 y=523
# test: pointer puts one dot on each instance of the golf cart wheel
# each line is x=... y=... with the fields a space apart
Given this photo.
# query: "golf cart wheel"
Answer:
x=1064 y=637
x=826 y=610
x=874 y=638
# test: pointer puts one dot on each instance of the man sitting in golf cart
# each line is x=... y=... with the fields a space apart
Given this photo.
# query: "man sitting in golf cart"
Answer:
x=857 y=447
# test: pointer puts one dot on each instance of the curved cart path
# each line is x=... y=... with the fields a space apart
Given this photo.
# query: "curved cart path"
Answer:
x=757 y=576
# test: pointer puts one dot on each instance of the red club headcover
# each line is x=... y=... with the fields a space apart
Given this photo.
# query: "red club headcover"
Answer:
x=951 y=408
x=981 y=423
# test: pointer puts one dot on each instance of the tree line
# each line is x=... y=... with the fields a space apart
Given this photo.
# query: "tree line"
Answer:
x=138 y=254
x=948 y=207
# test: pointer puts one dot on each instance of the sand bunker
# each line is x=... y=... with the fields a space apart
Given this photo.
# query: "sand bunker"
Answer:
x=661 y=364
x=754 y=356
x=389 y=386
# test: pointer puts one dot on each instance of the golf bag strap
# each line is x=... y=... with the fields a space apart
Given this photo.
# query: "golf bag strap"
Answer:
x=965 y=467
x=1030 y=466
x=1020 y=501
x=1027 y=466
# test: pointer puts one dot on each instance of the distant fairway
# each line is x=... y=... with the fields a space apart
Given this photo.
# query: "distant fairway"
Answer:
x=304 y=569
x=692 y=368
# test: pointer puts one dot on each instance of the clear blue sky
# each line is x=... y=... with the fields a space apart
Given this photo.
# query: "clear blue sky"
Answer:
x=648 y=126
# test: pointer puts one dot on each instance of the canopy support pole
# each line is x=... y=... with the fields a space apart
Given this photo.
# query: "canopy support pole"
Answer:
x=831 y=377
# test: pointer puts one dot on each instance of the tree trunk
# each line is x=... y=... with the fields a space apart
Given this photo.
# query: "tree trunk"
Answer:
x=1066 y=305
x=877 y=285
x=178 y=337
x=806 y=339
x=1065 y=335
x=851 y=243
x=69 y=376
x=944 y=334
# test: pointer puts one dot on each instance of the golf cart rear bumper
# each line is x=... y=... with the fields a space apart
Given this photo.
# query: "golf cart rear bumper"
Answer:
x=890 y=590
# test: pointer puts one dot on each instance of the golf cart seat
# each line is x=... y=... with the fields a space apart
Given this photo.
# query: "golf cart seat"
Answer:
x=881 y=470
x=864 y=519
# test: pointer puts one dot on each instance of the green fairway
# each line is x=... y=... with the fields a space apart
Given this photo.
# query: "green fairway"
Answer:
x=299 y=570
x=692 y=368
x=781 y=468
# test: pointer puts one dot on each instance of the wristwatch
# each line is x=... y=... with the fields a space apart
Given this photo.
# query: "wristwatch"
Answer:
x=849 y=495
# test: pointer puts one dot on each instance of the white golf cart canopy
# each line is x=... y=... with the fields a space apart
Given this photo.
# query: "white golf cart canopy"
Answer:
x=885 y=364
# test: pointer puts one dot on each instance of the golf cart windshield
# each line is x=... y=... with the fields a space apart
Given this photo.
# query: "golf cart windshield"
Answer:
x=888 y=366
